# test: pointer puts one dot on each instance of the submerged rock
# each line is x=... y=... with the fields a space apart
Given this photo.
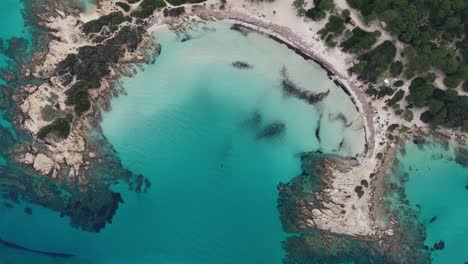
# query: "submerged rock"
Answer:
x=241 y=29
x=291 y=89
x=273 y=130
x=28 y=210
x=254 y=121
x=241 y=65
x=439 y=245
x=461 y=156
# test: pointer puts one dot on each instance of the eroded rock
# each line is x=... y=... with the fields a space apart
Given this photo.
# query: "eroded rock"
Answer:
x=43 y=164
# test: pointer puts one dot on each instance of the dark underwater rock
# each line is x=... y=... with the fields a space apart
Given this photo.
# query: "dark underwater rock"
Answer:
x=461 y=156
x=290 y=89
x=241 y=29
x=91 y=212
x=272 y=130
x=419 y=140
x=254 y=121
x=439 y=245
x=433 y=219
x=28 y=210
x=241 y=65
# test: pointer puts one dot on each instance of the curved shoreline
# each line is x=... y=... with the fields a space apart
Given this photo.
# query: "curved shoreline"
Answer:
x=285 y=36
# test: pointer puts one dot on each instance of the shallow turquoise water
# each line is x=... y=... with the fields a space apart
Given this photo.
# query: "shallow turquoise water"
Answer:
x=13 y=25
x=12 y=19
x=88 y=5
x=185 y=125
x=437 y=184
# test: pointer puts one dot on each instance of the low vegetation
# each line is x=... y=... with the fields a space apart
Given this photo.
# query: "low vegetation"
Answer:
x=320 y=9
x=446 y=108
x=147 y=8
x=92 y=63
x=60 y=128
x=112 y=21
x=360 y=40
x=174 y=12
x=375 y=62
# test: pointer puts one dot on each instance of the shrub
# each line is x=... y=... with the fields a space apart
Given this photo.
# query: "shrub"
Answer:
x=111 y=20
x=174 y=12
x=408 y=115
x=360 y=40
x=147 y=8
x=451 y=82
x=399 y=83
x=125 y=7
x=375 y=62
x=59 y=127
x=396 y=68
x=396 y=98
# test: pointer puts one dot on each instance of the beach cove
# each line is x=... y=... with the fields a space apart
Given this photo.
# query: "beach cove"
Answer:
x=203 y=133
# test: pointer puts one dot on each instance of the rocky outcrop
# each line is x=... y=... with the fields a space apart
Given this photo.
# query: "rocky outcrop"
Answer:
x=43 y=164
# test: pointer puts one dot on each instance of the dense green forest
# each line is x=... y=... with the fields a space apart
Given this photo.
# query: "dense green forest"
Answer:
x=434 y=34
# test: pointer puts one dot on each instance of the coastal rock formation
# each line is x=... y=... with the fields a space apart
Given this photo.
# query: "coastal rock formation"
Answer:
x=327 y=200
x=43 y=164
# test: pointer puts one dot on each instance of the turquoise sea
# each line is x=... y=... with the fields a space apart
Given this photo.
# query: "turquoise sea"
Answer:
x=437 y=186
x=196 y=127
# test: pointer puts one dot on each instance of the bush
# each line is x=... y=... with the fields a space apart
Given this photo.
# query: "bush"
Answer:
x=375 y=62
x=396 y=98
x=125 y=7
x=112 y=20
x=318 y=12
x=334 y=27
x=399 y=83
x=420 y=92
x=430 y=77
x=465 y=86
x=147 y=8
x=59 y=127
x=408 y=115
x=451 y=82
x=396 y=68
x=360 y=40
x=315 y=14
x=174 y=12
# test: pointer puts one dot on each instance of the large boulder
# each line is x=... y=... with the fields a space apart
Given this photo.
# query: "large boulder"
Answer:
x=43 y=164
